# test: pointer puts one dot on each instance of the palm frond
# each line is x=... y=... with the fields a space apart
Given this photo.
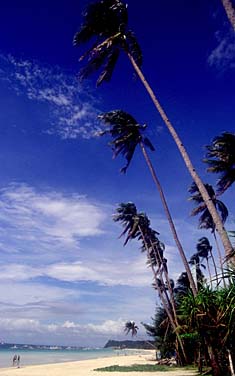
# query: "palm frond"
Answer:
x=109 y=67
x=95 y=62
x=126 y=134
x=221 y=159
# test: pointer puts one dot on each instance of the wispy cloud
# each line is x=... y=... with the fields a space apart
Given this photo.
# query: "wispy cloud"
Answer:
x=222 y=57
x=53 y=225
x=46 y=222
x=104 y=273
x=71 y=109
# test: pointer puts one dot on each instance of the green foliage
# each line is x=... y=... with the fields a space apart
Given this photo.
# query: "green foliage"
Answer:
x=161 y=331
x=106 y=24
x=205 y=219
x=221 y=159
x=131 y=327
x=125 y=134
x=137 y=368
x=211 y=314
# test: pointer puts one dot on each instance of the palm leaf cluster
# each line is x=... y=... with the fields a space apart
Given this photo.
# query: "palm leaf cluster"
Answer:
x=126 y=134
x=131 y=327
x=221 y=159
x=137 y=226
x=105 y=23
x=205 y=219
x=203 y=252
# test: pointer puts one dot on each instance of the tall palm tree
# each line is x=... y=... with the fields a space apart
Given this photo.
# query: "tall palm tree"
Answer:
x=205 y=219
x=221 y=159
x=126 y=135
x=106 y=23
x=136 y=226
x=230 y=11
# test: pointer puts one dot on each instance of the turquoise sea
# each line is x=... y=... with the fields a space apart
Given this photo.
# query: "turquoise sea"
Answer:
x=34 y=357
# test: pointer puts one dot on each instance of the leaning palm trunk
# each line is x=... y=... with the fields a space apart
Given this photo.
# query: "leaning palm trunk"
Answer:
x=170 y=220
x=220 y=259
x=209 y=271
x=217 y=221
x=164 y=302
x=229 y=9
x=231 y=363
x=172 y=298
x=215 y=268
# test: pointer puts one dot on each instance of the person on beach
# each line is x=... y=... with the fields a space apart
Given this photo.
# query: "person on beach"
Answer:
x=18 y=361
x=14 y=360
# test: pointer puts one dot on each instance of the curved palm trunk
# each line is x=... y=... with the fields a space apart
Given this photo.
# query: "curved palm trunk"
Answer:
x=172 y=299
x=220 y=259
x=215 y=268
x=217 y=221
x=209 y=271
x=174 y=327
x=170 y=220
x=229 y=9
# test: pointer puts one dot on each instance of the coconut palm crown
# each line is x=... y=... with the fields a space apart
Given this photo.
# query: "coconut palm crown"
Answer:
x=106 y=24
x=126 y=134
x=205 y=219
x=131 y=327
x=221 y=160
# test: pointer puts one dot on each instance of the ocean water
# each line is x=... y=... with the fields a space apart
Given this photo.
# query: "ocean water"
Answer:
x=35 y=357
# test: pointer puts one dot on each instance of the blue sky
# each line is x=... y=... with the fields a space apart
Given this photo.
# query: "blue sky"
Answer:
x=65 y=276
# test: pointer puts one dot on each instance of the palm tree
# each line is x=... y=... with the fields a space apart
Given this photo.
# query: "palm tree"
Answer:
x=106 y=22
x=205 y=219
x=130 y=326
x=126 y=134
x=230 y=11
x=136 y=226
x=221 y=159
x=196 y=262
x=204 y=250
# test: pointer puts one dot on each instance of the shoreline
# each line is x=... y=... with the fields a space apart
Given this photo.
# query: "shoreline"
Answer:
x=86 y=367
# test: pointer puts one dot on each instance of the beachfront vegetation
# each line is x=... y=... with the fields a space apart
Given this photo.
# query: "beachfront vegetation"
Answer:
x=137 y=368
x=196 y=319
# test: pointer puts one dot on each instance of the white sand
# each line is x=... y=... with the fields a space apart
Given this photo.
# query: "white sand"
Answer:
x=86 y=367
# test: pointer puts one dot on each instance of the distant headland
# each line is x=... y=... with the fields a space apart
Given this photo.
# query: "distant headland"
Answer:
x=130 y=344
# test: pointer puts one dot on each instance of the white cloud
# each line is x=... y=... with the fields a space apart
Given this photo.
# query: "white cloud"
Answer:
x=72 y=109
x=106 y=272
x=223 y=55
x=46 y=222
x=20 y=324
x=105 y=328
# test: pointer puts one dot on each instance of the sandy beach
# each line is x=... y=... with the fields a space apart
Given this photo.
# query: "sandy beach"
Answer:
x=86 y=367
